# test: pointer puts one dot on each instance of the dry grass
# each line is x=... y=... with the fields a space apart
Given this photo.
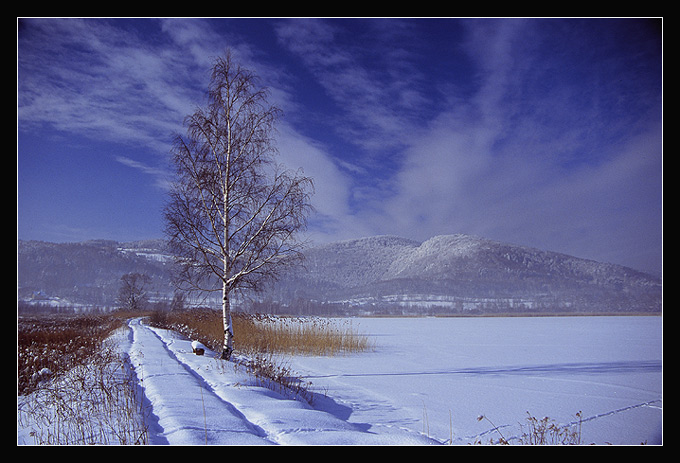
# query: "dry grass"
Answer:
x=74 y=386
x=301 y=336
x=547 y=432
x=265 y=334
x=543 y=431
x=58 y=343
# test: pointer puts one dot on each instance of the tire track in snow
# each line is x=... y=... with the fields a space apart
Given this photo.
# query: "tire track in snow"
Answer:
x=263 y=416
x=184 y=415
x=204 y=385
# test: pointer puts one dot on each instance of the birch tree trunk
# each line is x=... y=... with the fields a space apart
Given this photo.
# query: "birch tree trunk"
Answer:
x=228 y=343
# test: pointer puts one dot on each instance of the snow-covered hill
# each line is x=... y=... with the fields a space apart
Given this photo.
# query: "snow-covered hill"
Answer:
x=463 y=272
x=445 y=273
x=88 y=273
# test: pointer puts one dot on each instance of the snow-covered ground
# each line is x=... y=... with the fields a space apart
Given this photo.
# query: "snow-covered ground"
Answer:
x=427 y=382
x=438 y=375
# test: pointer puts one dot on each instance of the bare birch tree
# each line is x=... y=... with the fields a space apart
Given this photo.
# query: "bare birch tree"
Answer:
x=233 y=213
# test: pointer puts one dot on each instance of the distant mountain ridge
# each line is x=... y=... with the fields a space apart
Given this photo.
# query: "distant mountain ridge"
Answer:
x=448 y=273
x=89 y=272
x=462 y=272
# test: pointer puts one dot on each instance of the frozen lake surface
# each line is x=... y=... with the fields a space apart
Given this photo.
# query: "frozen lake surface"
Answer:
x=438 y=375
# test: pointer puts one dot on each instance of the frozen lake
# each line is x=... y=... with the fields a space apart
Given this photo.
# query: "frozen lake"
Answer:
x=438 y=375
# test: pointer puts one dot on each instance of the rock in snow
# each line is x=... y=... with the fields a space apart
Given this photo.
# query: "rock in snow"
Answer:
x=197 y=348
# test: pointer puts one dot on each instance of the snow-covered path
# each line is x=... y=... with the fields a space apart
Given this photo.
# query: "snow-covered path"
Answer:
x=196 y=400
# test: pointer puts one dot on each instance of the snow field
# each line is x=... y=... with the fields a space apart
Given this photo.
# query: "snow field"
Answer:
x=438 y=375
x=427 y=382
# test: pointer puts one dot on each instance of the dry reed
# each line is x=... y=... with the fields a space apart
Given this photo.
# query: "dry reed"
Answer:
x=265 y=334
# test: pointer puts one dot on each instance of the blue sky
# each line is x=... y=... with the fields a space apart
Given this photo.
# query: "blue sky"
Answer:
x=540 y=132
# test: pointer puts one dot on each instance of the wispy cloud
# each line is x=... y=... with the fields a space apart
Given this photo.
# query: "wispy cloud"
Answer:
x=92 y=78
x=555 y=140
x=376 y=89
x=162 y=177
x=535 y=157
